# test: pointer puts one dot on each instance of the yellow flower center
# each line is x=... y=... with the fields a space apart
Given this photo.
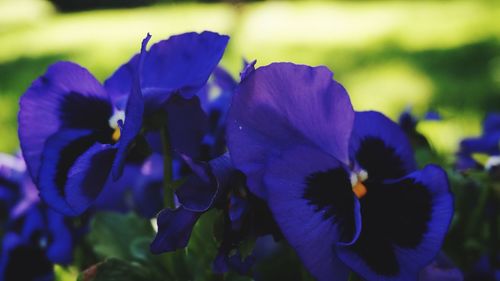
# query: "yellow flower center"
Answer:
x=358 y=187
x=118 y=116
x=116 y=134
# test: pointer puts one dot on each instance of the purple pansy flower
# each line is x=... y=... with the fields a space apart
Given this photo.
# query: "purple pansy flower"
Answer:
x=39 y=238
x=74 y=132
x=342 y=185
x=245 y=215
x=33 y=233
x=17 y=192
x=487 y=143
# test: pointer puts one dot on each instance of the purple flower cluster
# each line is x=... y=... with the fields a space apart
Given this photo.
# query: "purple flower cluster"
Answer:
x=281 y=153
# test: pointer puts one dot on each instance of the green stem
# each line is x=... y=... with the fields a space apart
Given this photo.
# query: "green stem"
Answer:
x=168 y=186
x=476 y=217
x=494 y=245
x=174 y=261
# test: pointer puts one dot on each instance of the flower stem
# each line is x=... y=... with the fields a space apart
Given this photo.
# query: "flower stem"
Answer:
x=168 y=187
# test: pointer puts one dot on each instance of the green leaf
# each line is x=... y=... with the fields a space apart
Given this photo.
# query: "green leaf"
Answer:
x=115 y=270
x=113 y=235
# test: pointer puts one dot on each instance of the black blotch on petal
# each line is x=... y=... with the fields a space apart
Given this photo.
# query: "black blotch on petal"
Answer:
x=394 y=214
x=67 y=158
x=27 y=263
x=77 y=111
x=331 y=193
x=380 y=160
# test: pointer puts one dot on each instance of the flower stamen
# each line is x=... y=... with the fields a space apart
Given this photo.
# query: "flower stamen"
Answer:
x=358 y=187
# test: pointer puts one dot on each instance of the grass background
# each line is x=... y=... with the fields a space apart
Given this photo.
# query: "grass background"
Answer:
x=389 y=55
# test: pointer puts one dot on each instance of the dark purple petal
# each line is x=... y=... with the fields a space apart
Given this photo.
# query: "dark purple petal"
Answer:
x=133 y=116
x=491 y=124
x=183 y=62
x=59 y=238
x=139 y=189
x=208 y=182
x=238 y=206
x=487 y=144
x=22 y=261
x=113 y=196
x=310 y=196
x=432 y=116
x=223 y=263
x=47 y=106
x=248 y=68
x=380 y=147
x=148 y=197
x=61 y=152
x=148 y=190
x=441 y=269
x=174 y=229
x=407 y=121
x=464 y=162
x=88 y=175
x=403 y=226
x=199 y=191
x=119 y=85
x=224 y=80
x=282 y=105
x=186 y=124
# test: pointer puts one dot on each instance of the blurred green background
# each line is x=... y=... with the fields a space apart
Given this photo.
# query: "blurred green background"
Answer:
x=389 y=55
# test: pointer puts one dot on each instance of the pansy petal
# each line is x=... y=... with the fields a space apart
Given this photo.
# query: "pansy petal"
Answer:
x=282 y=105
x=248 y=68
x=113 y=196
x=148 y=191
x=380 y=147
x=88 y=175
x=183 y=62
x=67 y=95
x=148 y=197
x=174 y=229
x=404 y=224
x=488 y=144
x=134 y=112
x=491 y=123
x=315 y=208
x=60 y=249
x=60 y=153
x=199 y=191
x=119 y=84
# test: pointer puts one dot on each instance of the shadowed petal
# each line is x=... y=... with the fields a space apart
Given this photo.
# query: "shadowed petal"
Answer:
x=310 y=196
x=174 y=229
x=186 y=124
x=17 y=255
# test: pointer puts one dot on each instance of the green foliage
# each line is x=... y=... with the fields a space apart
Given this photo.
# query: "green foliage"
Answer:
x=115 y=270
x=117 y=235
